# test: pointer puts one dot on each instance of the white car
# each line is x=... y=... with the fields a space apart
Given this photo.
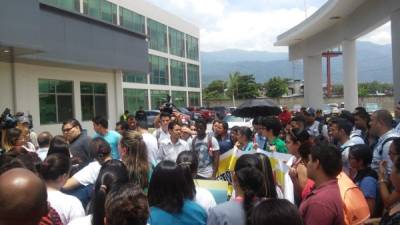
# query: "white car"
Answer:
x=238 y=121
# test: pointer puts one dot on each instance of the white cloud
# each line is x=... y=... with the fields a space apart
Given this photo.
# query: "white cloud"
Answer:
x=250 y=30
x=381 y=35
x=249 y=25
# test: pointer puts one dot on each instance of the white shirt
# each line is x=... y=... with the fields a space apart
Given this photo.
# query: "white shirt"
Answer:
x=160 y=135
x=204 y=198
x=381 y=152
x=68 y=207
x=397 y=128
x=42 y=153
x=313 y=129
x=88 y=174
x=152 y=148
x=170 y=151
x=86 y=220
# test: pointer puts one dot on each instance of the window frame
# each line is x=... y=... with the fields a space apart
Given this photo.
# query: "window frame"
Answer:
x=93 y=94
x=56 y=94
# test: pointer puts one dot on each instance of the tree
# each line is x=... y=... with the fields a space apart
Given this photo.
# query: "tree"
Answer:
x=215 y=90
x=276 y=87
x=242 y=86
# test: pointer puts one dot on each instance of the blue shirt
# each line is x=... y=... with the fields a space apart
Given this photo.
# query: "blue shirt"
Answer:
x=260 y=140
x=191 y=214
x=112 y=138
x=368 y=186
x=225 y=144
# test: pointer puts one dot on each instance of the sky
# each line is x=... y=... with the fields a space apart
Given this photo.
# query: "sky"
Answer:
x=250 y=24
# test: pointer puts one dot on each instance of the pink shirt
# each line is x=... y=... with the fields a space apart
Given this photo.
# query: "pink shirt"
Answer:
x=323 y=206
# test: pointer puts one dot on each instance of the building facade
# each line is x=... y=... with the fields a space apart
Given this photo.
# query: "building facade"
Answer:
x=62 y=59
x=174 y=67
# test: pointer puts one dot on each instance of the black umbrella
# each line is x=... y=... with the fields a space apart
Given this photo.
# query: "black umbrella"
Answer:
x=257 y=107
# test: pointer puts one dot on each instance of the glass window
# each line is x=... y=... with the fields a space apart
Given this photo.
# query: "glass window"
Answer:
x=158 y=97
x=192 y=47
x=131 y=20
x=55 y=101
x=109 y=12
x=93 y=100
x=92 y=8
x=176 y=42
x=101 y=9
x=193 y=75
x=158 y=70
x=157 y=33
x=135 y=77
x=72 y=5
x=135 y=98
x=194 y=99
x=179 y=98
x=178 y=73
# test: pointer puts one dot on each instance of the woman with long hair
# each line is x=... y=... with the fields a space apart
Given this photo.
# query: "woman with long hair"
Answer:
x=299 y=145
x=101 y=152
x=245 y=137
x=171 y=197
x=250 y=188
x=112 y=173
x=189 y=161
x=133 y=152
x=55 y=172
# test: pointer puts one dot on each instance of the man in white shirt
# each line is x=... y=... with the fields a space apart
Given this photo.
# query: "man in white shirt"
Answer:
x=381 y=126
x=340 y=130
x=170 y=148
x=44 y=139
x=162 y=132
x=150 y=142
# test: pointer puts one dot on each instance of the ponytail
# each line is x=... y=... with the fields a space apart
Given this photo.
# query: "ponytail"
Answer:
x=251 y=180
x=54 y=166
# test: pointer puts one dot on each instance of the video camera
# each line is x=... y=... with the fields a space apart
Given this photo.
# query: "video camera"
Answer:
x=167 y=106
x=7 y=120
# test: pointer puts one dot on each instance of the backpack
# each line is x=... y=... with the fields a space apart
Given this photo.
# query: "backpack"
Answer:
x=355 y=206
x=384 y=142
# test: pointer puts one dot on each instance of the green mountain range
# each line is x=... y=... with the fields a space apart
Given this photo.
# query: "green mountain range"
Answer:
x=374 y=63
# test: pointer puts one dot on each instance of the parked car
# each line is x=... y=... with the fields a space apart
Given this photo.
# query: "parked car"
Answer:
x=206 y=114
x=326 y=110
x=220 y=111
x=193 y=115
x=150 y=116
x=296 y=108
x=238 y=121
x=371 y=107
x=184 y=118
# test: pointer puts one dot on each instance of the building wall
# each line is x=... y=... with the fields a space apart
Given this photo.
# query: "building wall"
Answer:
x=27 y=91
x=6 y=87
x=150 y=11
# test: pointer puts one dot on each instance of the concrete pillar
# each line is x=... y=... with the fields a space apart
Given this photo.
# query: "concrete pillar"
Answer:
x=313 y=95
x=350 y=84
x=395 y=25
x=119 y=93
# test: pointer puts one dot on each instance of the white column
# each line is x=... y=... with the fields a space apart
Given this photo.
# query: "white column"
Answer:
x=119 y=94
x=313 y=95
x=395 y=25
x=350 y=84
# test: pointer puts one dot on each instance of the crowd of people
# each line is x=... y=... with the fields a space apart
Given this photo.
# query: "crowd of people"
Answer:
x=133 y=176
